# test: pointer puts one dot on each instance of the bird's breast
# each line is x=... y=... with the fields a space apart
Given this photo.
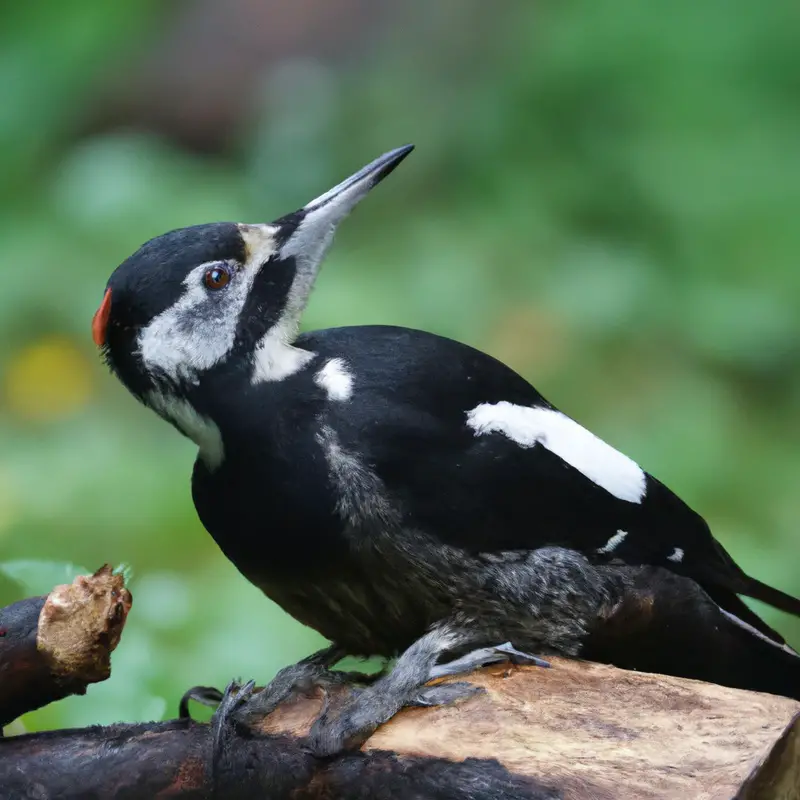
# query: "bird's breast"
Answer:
x=376 y=617
x=270 y=523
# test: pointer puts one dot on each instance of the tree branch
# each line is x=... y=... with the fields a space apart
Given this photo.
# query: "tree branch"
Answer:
x=176 y=760
x=579 y=730
x=576 y=731
x=55 y=646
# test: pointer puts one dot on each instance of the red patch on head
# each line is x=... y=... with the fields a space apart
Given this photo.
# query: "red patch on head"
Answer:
x=100 y=320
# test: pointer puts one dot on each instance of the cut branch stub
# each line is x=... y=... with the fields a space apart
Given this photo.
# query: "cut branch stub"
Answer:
x=54 y=646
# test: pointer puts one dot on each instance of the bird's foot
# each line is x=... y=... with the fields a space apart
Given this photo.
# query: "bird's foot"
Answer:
x=485 y=656
x=223 y=724
x=350 y=725
x=300 y=678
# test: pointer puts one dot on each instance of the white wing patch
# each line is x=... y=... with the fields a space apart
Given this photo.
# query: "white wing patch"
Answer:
x=201 y=430
x=676 y=555
x=581 y=449
x=335 y=379
x=615 y=541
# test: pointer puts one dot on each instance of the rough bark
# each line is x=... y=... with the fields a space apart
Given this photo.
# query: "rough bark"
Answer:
x=55 y=646
x=576 y=731
x=176 y=759
x=594 y=731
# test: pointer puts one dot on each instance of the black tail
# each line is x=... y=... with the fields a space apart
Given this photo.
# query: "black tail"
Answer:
x=733 y=604
x=728 y=574
x=767 y=594
x=666 y=623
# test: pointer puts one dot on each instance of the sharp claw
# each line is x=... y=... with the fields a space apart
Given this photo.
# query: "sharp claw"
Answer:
x=518 y=657
x=205 y=695
x=235 y=696
x=222 y=731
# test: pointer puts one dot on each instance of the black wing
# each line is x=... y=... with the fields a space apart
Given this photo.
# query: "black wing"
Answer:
x=490 y=489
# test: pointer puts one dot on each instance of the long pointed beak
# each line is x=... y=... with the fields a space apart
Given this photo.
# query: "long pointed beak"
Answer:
x=346 y=194
x=316 y=221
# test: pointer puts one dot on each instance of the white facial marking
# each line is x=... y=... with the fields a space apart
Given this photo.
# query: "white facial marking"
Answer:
x=275 y=360
x=199 y=329
x=613 y=542
x=201 y=430
x=274 y=357
x=581 y=449
x=361 y=493
x=259 y=242
x=335 y=379
x=750 y=629
x=676 y=555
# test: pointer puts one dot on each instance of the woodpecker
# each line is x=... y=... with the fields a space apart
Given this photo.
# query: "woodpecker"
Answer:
x=393 y=489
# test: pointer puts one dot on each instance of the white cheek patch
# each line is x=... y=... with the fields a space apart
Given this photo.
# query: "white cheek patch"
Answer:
x=197 y=331
x=335 y=379
x=274 y=357
x=581 y=449
x=201 y=430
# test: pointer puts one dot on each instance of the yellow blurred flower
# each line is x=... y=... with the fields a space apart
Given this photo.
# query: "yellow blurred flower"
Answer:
x=48 y=380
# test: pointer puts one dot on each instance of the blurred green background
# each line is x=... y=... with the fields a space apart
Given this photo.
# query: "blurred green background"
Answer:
x=604 y=195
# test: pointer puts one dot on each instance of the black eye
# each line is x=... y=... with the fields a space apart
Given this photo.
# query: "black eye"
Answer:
x=216 y=278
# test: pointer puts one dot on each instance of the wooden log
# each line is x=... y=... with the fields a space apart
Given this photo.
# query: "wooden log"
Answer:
x=181 y=759
x=594 y=731
x=55 y=646
x=578 y=731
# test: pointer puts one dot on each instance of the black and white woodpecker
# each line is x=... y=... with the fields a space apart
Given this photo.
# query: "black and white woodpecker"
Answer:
x=391 y=488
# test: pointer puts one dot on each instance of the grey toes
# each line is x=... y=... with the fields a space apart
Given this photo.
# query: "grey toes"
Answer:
x=366 y=710
x=445 y=694
x=483 y=657
x=518 y=657
x=298 y=678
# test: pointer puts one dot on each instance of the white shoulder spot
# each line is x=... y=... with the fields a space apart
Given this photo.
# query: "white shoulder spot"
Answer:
x=335 y=379
x=676 y=555
x=617 y=539
x=201 y=430
x=581 y=449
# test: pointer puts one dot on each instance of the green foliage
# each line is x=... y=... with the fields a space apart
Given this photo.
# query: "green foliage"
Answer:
x=605 y=195
x=29 y=578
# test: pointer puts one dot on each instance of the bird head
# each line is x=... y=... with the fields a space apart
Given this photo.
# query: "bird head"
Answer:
x=221 y=297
